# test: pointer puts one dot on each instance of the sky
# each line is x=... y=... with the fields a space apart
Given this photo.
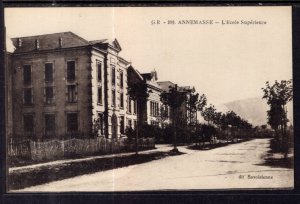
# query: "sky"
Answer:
x=226 y=62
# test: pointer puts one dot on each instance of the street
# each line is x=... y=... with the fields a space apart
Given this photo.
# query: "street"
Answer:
x=234 y=166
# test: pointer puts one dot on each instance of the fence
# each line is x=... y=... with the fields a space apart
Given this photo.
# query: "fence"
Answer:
x=56 y=149
x=20 y=149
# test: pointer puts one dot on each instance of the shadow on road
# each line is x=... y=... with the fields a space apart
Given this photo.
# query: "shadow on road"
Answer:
x=275 y=157
x=279 y=162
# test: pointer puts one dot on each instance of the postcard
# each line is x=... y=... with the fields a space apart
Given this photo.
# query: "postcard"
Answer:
x=134 y=99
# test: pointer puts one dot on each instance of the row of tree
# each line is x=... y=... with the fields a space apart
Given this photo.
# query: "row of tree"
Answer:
x=277 y=96
x=194 y=103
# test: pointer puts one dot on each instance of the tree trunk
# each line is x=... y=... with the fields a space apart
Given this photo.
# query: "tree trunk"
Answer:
x=175 y=130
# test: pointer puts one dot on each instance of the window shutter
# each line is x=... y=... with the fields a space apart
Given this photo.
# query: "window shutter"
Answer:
x=66 y=93
x=45 y=97
x=53 y=71
x=54 y=94
x=31 y=95
x=23 y=94
x=76 y=93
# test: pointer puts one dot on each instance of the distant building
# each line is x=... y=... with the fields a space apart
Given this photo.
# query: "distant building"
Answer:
x=62 y=83
x=157 y=113
x=186 y=116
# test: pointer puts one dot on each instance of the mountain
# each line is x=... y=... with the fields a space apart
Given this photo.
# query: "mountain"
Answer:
x=254 y=110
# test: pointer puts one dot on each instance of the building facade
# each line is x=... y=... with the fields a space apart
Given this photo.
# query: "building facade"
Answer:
x=156 y=112
x=62 y=84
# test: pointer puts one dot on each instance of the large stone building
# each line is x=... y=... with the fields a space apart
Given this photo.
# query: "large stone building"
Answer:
x=62 y=84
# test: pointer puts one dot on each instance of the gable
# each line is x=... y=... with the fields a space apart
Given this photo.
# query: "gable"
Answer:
x=116 y=44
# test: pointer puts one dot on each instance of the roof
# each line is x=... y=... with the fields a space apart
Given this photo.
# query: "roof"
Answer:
x=185 y=88
x=131 y=69
x=165 y=85
x=49 y=41
x=147 y=76
x=52 y=41
x=113 y=43
x=151 y=76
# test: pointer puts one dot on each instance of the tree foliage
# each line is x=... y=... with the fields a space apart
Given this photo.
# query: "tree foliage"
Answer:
x=208 y=113
x=277 y=96
x=138 y=91
x=280 y=92
x=173 y=97
x=202 y=101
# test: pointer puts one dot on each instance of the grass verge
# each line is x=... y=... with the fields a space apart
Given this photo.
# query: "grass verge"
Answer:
x=45 y=174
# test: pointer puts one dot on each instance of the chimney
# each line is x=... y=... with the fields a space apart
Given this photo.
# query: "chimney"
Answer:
x=60 y=42
x=19 y=42
x=37 y=44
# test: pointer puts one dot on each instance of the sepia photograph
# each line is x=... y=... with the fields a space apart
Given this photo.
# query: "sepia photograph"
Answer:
x=139 y=99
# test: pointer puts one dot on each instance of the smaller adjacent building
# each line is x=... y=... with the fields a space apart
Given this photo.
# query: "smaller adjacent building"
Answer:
x=157 y=113
x=186 y=115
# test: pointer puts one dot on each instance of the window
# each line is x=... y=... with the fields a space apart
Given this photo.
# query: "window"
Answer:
x=49 y=95
x=99 y=71
x=71 y=93
x=113 y=97
x=72 y=122
x=101 y=123
x=129 y=105
x=134 y=124
x=27 y=74
x=122 y=100
x=154 y=108
x=129 y=123
x=113 y=76
x=154 y=123
x=122 y=125
x=134 y=107
x=28 y=99
x=121 y=80
x=71 y=70
x=165 y=111
x=49 y=125
x=151 y=108
x=49 y=72
x=28 y=124
x=99 y=95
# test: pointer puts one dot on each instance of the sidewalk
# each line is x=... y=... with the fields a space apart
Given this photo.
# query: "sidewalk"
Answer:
x=37 y=174
x=159 y=148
